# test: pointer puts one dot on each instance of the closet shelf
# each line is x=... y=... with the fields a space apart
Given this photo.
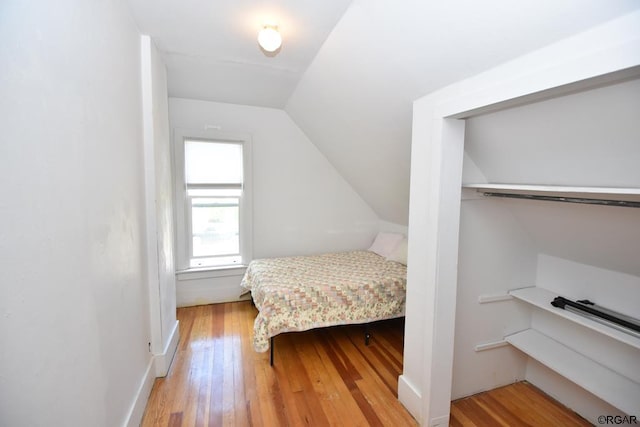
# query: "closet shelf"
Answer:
x=606 y=384
x=605 y=193
x=541 y=298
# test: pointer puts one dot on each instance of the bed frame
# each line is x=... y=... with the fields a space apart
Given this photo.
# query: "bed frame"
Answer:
x=309 y=292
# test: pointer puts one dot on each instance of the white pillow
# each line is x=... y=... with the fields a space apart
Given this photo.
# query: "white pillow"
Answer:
x=386 y=243
x=399 y=254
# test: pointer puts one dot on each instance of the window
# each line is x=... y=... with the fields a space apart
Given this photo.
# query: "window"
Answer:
x=213 y=188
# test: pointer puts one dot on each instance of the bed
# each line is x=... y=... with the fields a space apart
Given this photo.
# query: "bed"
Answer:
x=306 y=292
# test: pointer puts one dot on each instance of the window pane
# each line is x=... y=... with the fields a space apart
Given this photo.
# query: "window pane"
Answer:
x=212 y=162
x=213 y=192
x=215 y=226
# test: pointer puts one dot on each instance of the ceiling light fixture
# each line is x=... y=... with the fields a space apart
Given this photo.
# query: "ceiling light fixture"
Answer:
x=269 y=38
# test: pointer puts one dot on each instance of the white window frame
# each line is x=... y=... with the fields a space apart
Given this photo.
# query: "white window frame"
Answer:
x=182 y=207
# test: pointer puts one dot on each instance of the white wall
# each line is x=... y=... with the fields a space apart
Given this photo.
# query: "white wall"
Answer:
x=495 y=255
x=301 y=204
x=560 y=141
x=73 y=294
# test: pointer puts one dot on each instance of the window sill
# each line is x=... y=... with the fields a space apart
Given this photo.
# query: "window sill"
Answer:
x=209 y=272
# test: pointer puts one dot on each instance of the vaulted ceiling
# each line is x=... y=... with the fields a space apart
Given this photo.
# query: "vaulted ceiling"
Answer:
x=348 y=70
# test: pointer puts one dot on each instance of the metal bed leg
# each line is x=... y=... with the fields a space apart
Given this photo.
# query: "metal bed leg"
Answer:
x=367 y=334
x=271 y=351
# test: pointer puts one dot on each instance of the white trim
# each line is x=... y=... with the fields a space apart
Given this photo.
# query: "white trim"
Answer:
x=159 y=365
x=182 y=217
x=163 y=360
x=439 y=421
x=208 y=273
x=246 y=202
x=410 y=397
x=205 y=295
x=139 y=404
x=151 y=224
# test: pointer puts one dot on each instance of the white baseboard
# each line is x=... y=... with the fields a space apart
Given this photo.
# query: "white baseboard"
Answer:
x=442 y=421
x=136 y=412
x=410 y=398
x=163 y=360
x=158 y=367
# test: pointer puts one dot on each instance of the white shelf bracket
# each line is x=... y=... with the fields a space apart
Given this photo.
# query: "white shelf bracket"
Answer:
x=491 y=345
x=485 y=299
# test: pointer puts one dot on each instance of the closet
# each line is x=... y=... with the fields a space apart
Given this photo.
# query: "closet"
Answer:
x=552 y=129
x=551 y=207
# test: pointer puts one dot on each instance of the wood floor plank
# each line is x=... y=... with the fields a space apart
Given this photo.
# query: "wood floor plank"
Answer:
x=175 y=419
x=499 y=411
x=341 y=398
x=478 y=414
x=322 y=385
x=309 y=400
x=272 y=397
x=240 y=376
x=381 y=398
x=229 y=408
x=519 y=404
x=250 y=376
x=459 y=418
x=324 y=377
x=295 y=406
x=216 y=380
x=197 y=381
x=376 y=359
x=559 y=414
x=367 y=388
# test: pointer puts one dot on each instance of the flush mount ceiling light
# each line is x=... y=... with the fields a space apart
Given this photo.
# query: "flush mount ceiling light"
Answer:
x=269 y=38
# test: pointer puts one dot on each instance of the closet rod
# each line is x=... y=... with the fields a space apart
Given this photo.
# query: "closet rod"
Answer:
x=603 y=202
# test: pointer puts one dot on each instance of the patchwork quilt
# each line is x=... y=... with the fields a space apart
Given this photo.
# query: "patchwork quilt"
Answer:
x=306 y=292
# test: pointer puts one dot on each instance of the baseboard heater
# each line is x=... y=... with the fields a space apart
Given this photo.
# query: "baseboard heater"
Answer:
x=600 y=314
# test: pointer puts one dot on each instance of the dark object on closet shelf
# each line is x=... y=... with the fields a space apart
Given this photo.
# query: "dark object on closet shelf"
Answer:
x=586 y=307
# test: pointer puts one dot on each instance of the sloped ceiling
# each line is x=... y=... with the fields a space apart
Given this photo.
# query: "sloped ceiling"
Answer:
x=355 y=100
x=349 y=70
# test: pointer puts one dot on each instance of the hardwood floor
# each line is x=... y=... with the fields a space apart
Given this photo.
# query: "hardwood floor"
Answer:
x=319 y=378
x=519 y=404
